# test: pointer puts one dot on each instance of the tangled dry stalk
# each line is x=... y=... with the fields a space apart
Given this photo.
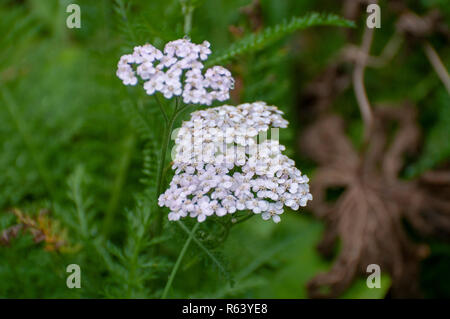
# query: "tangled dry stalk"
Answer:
x=42 y=229
x=368 y=219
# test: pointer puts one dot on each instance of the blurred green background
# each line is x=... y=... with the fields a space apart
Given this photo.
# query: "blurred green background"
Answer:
x=75 y=142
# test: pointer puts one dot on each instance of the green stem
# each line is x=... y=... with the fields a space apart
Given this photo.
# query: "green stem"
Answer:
x=250 y=215
x=161 y=107
x=162 y=161
x=161 y=171
x=188 y=12
x=202 y=247
x=178 y=262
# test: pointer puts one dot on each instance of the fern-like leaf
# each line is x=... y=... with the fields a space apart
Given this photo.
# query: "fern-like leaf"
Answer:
x=255 y=42
x=76 y=183
x=150 y=163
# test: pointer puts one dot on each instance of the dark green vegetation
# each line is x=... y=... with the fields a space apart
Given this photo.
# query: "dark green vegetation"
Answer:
x=77 y=143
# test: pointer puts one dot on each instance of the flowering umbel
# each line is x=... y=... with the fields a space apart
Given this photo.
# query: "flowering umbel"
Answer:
x=176 y=72
x=222 y=167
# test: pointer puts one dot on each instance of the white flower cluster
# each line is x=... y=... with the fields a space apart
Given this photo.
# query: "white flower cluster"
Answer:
x=176 y=72
x=220 y=167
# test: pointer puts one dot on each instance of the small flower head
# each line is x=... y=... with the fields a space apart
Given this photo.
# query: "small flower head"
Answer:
x=218 y=171
x=177 y=71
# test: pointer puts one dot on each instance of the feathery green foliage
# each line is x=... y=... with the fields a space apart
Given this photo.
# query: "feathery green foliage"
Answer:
x=258 y=41
x=76 y=142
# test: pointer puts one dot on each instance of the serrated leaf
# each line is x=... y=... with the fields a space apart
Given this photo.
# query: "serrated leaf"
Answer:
x=255 y=42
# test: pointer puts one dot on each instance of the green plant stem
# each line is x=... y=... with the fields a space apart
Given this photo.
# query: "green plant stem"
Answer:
x=250 y=215
x=188 y=12
x=161 y=171
x=161 y=107
x=178 y=262
x=202 y=247
x=162 y=161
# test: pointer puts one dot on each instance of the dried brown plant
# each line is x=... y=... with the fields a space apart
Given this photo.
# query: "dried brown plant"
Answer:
x=42 y=228
x=367 y=223
x=368 y=218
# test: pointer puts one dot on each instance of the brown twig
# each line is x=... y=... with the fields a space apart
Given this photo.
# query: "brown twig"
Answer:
x=389 y=51
x=437 y=64
x=358 y=82
x=367 y=219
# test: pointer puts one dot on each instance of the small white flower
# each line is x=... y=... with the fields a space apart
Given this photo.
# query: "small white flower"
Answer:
x=181 y=61
x=217 y=172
